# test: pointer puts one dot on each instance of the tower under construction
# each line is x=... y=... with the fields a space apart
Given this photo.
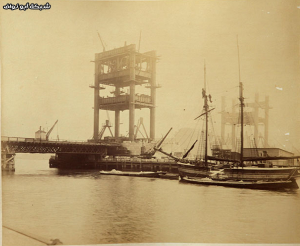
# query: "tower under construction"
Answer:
x=125 y=68
x=251 y=118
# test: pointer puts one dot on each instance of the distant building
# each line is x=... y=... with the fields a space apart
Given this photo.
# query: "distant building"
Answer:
x=40 y=134
x=270 y=152
x=256 y=152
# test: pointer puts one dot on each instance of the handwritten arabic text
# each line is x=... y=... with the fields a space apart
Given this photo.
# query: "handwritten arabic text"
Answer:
x=32 y=6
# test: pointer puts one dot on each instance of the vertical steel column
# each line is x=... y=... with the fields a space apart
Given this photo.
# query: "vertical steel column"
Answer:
x=117 y=115
x=132 y=95
x=153 y=95
x=266 y=122
x=96 y=99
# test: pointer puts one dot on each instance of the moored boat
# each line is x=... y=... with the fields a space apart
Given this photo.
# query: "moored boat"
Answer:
x=241 y=176
x=258 y=173
x=264 y=185
x=238 y=175
x=136 y=174
x=193 y=170
x=196 y=167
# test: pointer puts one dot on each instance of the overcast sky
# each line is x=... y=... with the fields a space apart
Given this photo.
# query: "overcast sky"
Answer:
x=46 y=66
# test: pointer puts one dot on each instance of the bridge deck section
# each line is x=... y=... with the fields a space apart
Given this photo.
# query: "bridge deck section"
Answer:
x=31 y=145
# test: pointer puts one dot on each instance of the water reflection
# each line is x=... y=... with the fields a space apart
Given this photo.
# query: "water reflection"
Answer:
x=246 y=191
x=83 y=207
x=77 y=173
x=124 y=210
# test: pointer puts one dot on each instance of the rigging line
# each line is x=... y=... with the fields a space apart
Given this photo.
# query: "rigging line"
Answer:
x=237 y=139
x=57 y=136
x=192 y=135
x=260 y=139
x=202 y=150
x=284 y=146
x=198 y=130
x=212 y=125
x=199 y=145
x=200 y=137
x=183 y=135
x=186 y=136
x=211 y=133
x=248 y=137
x=296 y=149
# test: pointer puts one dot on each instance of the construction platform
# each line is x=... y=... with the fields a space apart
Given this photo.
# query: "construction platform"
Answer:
x=94 y=161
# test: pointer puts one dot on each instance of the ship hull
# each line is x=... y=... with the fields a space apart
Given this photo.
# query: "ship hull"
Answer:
x=263 y=185
x=192 y=170
x=261 y=174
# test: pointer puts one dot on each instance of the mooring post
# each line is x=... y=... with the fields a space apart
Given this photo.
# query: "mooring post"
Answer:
x=7 y=160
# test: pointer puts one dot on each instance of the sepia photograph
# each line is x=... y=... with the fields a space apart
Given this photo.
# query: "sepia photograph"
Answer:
x=172 y=122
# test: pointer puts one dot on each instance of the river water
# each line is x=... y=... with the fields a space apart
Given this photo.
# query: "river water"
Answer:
x=82 y=207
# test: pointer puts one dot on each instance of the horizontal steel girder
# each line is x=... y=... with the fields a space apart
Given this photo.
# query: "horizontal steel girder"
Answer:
x=56 y=147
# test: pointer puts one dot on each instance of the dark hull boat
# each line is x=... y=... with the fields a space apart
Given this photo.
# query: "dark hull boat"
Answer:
x=193 y=170
x=263 y=185
x=135 y=174
x=257 y=173
x=248 y=177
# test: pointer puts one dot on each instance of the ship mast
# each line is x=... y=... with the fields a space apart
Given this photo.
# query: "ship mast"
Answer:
x=241 y=98
x=242 y=122
x=206 y=115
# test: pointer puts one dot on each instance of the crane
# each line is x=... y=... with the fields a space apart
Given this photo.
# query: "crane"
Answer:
x=101 y=42
x=48 y=133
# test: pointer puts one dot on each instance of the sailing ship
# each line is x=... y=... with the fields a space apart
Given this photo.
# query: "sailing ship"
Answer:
x=242 y=176
x=238 y=174
x=196 y=167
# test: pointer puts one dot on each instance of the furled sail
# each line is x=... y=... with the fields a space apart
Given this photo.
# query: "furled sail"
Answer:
x=186 y=154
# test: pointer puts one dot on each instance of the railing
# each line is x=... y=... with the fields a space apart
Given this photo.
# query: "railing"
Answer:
x=111 y=100
x=125 y=98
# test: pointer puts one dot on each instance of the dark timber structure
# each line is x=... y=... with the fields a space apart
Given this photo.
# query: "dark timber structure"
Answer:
x=121 y=68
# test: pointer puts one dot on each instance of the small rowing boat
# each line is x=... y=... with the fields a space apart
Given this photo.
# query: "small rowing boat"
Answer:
x=135 y=174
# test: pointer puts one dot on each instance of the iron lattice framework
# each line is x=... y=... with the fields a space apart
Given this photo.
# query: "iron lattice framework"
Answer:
x=251 y=117
x=123 y=69
x=58 y=147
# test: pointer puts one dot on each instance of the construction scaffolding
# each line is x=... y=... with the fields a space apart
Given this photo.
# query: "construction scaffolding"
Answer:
x=120 y=68
x=250 y=118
